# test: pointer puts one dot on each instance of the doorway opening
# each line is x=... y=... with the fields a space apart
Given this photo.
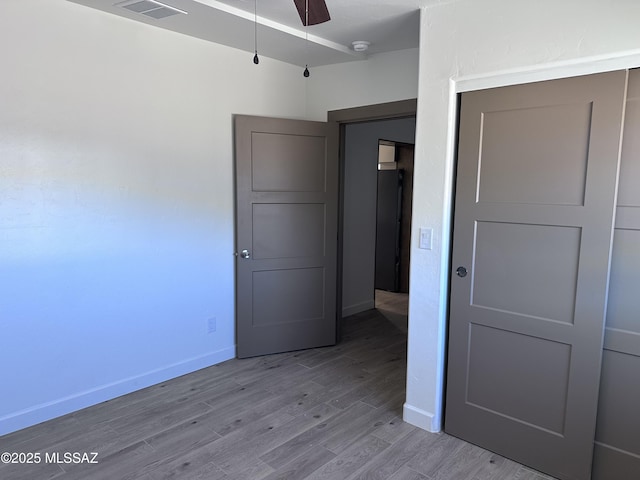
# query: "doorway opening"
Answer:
x=393 y=230
x=395 y=123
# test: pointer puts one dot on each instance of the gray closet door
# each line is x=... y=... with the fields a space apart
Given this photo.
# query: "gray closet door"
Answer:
x=287 y=227
x=536 y=185
x=617 y=450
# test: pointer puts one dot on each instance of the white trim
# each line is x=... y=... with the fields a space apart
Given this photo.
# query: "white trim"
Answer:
x=358 y=307
x=56 y=408
x=420 y=418
x=280 y=27
x=437 y=421
x=549 y=71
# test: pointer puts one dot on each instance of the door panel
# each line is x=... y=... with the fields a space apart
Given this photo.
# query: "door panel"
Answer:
x=303 y=289
x=617 y=450
x=388 y=218
x=536 y=184
x=504 y=251
x=629 y=193
x=278 y=228
x=287 y=219
x=533 y=147
x=276 y=165
x=510 y=393
x=623 y=312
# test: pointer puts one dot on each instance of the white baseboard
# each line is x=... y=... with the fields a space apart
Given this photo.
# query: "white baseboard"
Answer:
x=358 y=307
x=47 y=411
x=421 y=418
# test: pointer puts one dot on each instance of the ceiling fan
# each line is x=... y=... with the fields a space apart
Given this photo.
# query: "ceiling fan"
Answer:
x=312 y=12
x=317 y=11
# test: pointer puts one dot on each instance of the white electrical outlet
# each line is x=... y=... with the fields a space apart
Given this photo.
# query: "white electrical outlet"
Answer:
x=426 y=238
x=211 y=325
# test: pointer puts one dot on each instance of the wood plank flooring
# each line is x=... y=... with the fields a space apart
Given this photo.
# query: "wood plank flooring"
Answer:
x=394 y=307
x=326 y=414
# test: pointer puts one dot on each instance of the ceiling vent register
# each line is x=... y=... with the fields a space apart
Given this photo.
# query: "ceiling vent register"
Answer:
x=151 y=8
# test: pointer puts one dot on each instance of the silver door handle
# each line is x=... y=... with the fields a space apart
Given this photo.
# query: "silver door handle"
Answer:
x=245 y=254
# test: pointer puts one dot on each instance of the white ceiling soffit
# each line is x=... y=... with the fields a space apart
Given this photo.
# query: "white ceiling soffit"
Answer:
x=151 y=8
x=388 y=26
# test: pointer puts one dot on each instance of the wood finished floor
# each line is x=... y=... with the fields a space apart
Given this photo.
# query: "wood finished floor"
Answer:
x=394 y=307
x=326 y=414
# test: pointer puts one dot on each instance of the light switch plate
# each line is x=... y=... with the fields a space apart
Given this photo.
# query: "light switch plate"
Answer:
x=426 y=236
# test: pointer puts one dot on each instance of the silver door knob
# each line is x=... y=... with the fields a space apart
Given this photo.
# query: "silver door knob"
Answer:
x=461 y=272
x=245 y=254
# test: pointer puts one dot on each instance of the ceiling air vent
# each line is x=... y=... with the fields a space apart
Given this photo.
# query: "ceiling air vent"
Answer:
x=150 y=8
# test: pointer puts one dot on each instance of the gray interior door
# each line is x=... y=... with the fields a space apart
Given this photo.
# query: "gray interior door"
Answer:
x=405 y=154
x=536 y=186
x=286 y=234
x=617 y=450
x=388 y=218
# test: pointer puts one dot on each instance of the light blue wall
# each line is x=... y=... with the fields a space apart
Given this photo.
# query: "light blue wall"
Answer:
x=116 y=202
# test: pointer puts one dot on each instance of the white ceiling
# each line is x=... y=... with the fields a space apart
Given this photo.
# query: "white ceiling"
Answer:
x=389 y=25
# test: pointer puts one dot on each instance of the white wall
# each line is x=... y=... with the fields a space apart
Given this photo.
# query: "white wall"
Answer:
x=385 y=77
x=116 y=202
x=360 y=194
x=459 y=41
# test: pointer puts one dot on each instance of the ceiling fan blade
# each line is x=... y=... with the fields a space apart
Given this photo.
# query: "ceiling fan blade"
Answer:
x=318 y=12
